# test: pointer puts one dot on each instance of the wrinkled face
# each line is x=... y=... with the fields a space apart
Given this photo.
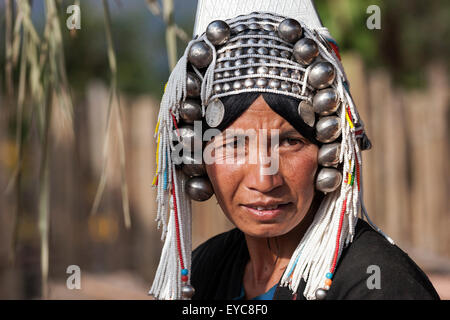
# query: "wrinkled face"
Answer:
x=261 y=204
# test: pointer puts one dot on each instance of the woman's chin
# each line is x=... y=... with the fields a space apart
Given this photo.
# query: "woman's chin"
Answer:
x=264 y=230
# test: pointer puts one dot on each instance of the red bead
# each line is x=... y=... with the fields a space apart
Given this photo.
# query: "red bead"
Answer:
x=184 y=278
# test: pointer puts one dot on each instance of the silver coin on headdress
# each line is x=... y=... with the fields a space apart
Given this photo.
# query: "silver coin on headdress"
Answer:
x=306 y=112
x=214 y=113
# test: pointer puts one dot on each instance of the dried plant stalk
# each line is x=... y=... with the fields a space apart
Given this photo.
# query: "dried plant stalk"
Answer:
x=42 y=75
x=113 y=106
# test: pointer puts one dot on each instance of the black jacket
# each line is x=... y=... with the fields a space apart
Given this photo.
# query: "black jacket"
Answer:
x=218 y=269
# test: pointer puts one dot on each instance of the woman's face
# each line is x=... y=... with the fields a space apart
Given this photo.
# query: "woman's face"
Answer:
x=265 y=205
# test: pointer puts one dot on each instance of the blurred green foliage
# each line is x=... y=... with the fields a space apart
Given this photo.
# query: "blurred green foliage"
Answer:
x=413 y=34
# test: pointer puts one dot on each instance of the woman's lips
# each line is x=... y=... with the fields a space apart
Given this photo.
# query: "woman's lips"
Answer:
x=267 y=213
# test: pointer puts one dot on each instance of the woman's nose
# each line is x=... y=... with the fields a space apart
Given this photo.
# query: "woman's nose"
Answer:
x=263 y=176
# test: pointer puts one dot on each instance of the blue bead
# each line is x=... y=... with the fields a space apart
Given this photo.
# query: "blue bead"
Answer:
x=184 y=272
x=329 y=275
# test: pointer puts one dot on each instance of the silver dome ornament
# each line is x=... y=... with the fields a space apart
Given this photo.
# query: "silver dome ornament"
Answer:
x=218 y=32
x=249 y=83
x=321 y=294
x=191 y=168
x=285 y=54
x=228 y=64
x=274 y=52
x=214 y=113
x=193 y=85
x=187 y=291
x=226 y=87
x=296 y=75
x=190 y=111
x=239 y=28
x=328 y=180
x=237 y=85
x=253 y=26
x=238 y=62
x=237 y=73
x=261 y=82
x=262 y=70
x=306 y=112
x=328 y=155
x=274 y=71
x=252 y=51
x=326 y=101
x=274 y=83
x=328 y=129
x=217 y=88
x=251 y=71
x=200 y=55
x=268 y=27
x=305 y=51
x=290 y=30
x=321 y=75
x=263 y=51
x=188 y=138
x=285 y=86
x=296 y=89
x=199 y=188
x=285 y=73
x=237 y=53
x=227 y=74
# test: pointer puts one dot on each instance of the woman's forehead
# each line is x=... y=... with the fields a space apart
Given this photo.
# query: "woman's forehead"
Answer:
x=259 y=115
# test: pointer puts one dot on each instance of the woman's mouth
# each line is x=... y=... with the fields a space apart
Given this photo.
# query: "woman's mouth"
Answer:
x=267 y=212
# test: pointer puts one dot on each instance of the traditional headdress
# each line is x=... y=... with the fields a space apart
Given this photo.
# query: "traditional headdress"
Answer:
x=260 y=46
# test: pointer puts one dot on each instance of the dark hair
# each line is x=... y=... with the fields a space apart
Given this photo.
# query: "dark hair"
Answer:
x=285 y=106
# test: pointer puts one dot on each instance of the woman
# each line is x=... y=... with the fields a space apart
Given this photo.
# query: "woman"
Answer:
x=268 y=95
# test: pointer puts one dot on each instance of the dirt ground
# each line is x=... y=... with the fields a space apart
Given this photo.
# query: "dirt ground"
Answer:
x=126 y=286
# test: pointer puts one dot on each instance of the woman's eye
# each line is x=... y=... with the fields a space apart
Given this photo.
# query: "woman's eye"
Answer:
x=231 y=144
x=292 y=141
